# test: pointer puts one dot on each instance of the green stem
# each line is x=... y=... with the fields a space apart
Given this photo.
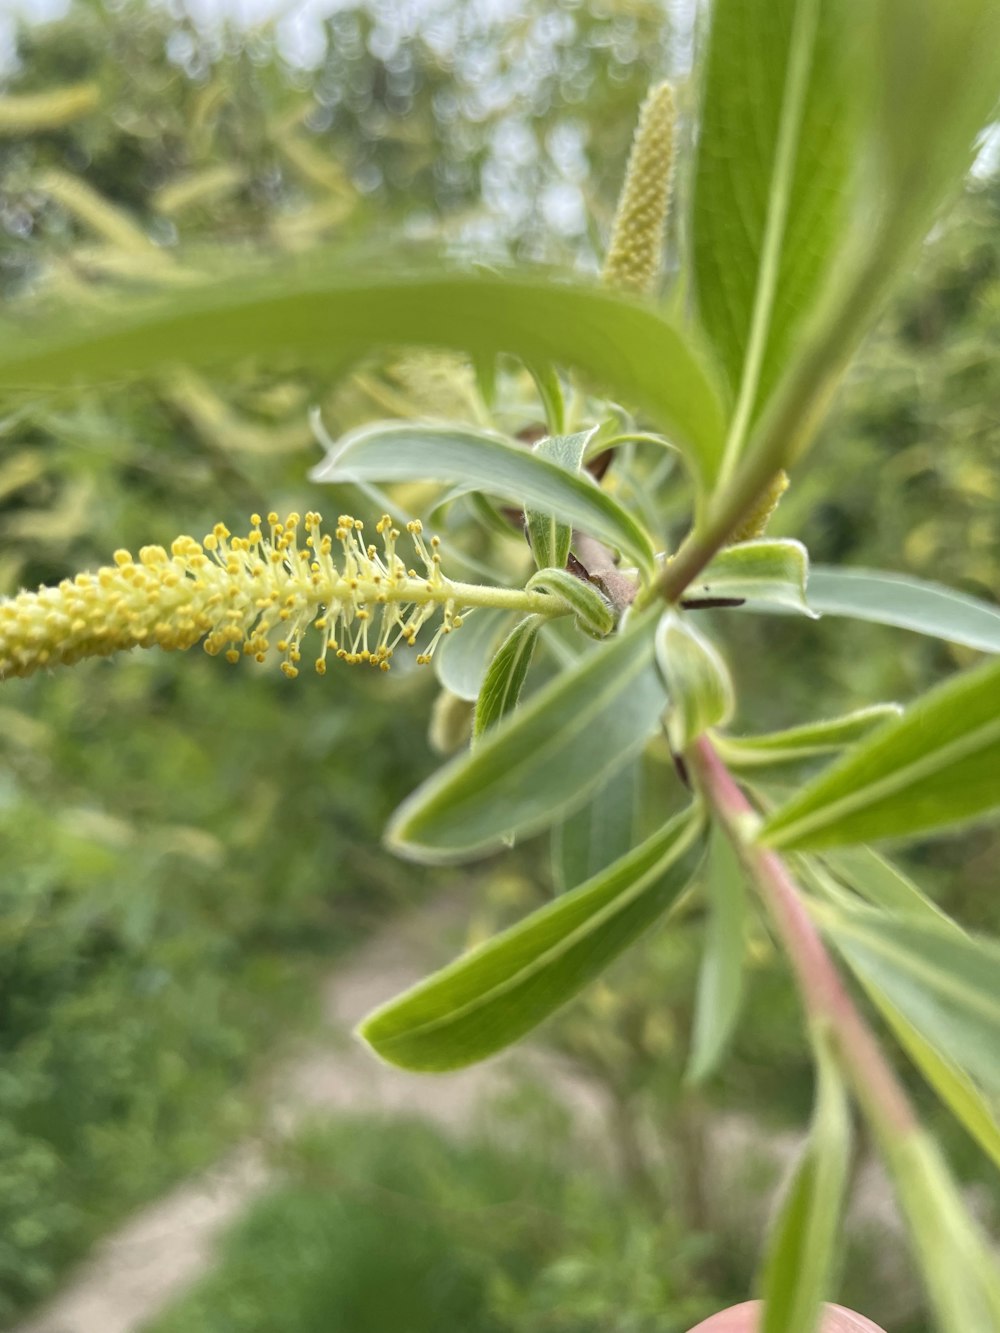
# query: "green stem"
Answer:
x=481 y=594
x=826 y=1000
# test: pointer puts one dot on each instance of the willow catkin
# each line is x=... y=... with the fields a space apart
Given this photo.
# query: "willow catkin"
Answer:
x=635 y=252
x=254 y=596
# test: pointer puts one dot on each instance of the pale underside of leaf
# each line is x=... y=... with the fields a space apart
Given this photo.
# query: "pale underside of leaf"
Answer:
x=946 y=984
x=447 y=453
x=462 y=660
x=905 y=603
x=599 y=832
x=951 y=1083
x=544 y=760
x=550 y=539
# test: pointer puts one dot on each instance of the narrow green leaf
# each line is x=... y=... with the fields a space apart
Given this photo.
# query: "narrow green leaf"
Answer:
x=544 y=760
x=496 y=993
x=549 y=539
x=599 y=832
x=550 y=392
x=697 y=681
x=938 y=764
x=505 y=676
x=812 y=739
x=720 y=979
x=907 y=603
x=462 y=659
x=592 y=610
x=946 y=983
x=884 y=885
x=935 y=71
x=798 y=1268
x=951 y=1083
x=925 y=76
x=410 y=451
x=957 y=1268
x=772 y=181
x=314 y=311
x=763 y=572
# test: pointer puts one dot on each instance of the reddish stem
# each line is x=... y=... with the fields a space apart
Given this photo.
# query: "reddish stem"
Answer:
x=826 y=999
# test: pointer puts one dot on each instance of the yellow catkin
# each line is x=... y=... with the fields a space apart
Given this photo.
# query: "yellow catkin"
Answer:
x=635 y=252
x=92 y=209
x=755 y=523
x=31 y=113
x=250 y=596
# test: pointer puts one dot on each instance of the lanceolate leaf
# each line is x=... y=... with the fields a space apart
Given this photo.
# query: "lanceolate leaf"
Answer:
x=462 y=659
x=884 y=885
x=798 y=1268
x=895 y=599
x=771 y=179
x=544 y=760
x=943 y=982
x=747 y=753
x=937 y=764
x=720 y=980
x=958 y=1269
x=405 y=451
x=592 y=610
x=932 y=70
x=496 y=993
x=761 y=573
x=951 y=1083
x=312 y=310
x=549 y=538
x=599 y=832
x=505 y=675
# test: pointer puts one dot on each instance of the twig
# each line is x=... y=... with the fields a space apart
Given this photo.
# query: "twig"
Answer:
x=825 y=998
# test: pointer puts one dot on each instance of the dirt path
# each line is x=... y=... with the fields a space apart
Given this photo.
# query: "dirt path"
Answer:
x=162 y=1250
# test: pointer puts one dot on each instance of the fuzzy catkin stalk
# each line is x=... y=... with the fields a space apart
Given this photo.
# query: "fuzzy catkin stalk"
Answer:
x=635 y=252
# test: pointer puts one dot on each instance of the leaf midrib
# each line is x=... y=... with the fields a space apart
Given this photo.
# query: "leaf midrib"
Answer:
x=671 y=854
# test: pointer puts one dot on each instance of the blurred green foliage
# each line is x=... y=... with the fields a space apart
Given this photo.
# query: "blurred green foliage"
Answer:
x=377 y=1228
